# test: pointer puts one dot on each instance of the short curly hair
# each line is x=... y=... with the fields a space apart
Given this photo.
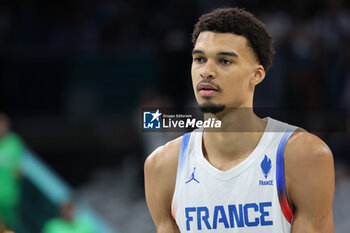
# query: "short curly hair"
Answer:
x=239 y=22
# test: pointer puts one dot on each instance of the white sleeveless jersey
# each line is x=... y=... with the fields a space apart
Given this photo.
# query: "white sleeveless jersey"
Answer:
x=248 y=198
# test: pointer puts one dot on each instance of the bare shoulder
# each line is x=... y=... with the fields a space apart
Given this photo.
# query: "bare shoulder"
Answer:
x=304 y=147
x=161 y=167
x=160 y=178
x=309 y=173
x=164 y=157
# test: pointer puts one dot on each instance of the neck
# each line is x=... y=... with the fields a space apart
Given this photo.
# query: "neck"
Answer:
x=240 y=134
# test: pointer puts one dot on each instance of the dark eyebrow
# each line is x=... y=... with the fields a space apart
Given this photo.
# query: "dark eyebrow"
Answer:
x=195 y=51
x=227 y=54
x=232 y=54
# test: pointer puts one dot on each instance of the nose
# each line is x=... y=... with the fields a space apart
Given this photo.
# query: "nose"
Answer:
x=208 y=70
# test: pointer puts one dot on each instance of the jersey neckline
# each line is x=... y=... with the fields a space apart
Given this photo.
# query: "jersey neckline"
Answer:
x=240 y=167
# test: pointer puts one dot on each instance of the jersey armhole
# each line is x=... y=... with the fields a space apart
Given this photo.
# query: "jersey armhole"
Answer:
x=280 y=177
x=180 y=166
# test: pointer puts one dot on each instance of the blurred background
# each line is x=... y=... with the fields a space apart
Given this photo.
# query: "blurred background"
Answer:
x=74 y=76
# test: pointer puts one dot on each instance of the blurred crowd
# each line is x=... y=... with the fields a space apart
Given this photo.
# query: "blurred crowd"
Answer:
x=311 y=66
x=11 y=152
x=11 y=182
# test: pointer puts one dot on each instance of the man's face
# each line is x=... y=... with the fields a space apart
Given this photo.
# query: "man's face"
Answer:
x=224 y=70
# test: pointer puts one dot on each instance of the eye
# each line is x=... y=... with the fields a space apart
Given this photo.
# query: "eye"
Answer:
x=225 y=61
x=199 y=59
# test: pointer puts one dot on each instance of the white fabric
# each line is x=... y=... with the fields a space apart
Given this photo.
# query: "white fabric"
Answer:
x=235 y=189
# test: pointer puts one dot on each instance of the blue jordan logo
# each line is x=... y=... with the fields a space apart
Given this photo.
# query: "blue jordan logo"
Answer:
x=192 y=177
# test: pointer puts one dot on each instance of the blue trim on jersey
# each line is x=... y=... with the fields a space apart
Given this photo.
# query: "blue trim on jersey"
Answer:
x=183 y=150
x=280 y=161
x=280 y=176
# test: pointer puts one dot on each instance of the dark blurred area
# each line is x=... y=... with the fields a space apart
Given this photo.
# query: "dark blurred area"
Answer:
x=75 y=74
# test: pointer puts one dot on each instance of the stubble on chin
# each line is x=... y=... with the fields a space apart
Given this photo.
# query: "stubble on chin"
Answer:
x=212 y=108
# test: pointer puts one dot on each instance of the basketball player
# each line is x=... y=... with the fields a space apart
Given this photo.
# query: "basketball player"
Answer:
x=271 y=178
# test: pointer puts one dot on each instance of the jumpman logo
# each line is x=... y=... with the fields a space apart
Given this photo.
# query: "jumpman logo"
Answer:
x=192 y=177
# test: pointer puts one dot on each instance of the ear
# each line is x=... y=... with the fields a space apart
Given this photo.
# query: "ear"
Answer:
x=258 y=75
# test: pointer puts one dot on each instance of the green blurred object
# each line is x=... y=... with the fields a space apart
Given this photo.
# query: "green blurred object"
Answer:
x=11 y=148
x=43 y=192
x=58 y=225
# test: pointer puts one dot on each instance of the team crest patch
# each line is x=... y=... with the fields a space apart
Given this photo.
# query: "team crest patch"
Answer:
x=266 y=166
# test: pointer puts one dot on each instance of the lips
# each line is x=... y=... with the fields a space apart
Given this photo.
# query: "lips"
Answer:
x=206 y=89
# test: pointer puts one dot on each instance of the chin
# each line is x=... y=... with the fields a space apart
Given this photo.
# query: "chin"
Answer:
x=211 y=108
